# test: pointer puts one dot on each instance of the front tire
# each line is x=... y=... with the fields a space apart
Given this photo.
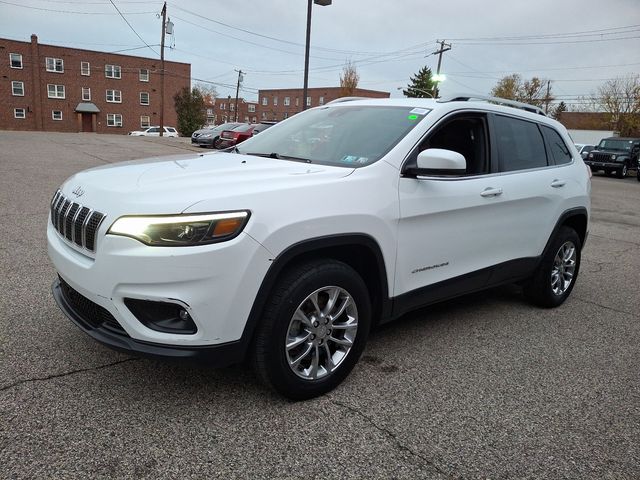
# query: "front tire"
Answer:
x=313 y=330
x=556 y=275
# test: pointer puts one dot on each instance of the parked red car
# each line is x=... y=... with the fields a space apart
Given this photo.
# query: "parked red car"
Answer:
x=229 y=138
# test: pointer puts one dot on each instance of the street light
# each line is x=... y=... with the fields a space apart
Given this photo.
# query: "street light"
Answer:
x=323 y=3
x=419 y=90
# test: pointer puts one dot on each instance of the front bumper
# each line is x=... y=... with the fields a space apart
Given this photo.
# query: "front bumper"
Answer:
x=221 y=355
x=603 y=165
x=203 y=141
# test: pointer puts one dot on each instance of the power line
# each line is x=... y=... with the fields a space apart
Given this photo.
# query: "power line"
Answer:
x=131 y=27
x=69 y=11
x=554 y=35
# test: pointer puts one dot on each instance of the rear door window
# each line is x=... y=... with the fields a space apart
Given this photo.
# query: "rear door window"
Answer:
x=520 y=144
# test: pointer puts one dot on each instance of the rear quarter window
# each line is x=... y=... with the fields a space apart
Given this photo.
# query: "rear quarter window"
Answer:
x=559 y=150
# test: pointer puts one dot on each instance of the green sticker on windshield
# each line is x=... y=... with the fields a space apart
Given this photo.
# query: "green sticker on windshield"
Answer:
x=412 y=117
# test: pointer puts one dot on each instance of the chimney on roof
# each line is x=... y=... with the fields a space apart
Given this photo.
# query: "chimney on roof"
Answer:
x=34 y=38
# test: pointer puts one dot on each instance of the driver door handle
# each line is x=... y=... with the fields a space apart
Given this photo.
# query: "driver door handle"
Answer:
x=558 y=183
x=491 y=192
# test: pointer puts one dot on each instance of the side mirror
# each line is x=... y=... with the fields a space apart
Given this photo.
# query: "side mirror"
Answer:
x=436 y=161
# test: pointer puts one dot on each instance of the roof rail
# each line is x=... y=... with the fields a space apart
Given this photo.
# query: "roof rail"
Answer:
x=347 y=99
x=496 y=100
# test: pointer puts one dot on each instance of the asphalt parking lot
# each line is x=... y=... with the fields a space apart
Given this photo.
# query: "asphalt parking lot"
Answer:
x=483 y=387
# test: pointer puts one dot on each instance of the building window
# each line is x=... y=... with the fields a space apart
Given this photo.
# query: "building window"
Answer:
x=265 y=101
x=321 y=101
x=143 y=75
x=19 y=113
x=56 y=114
x=308 y=101
x=275 y=101
x=254 y=119
x=114 y=120
x=114 y=96
x=144 y=98
x=17 y=89
x=223 y=106
x=209 y=111
x=15 y=59
x=251 y=108
x=86 y=94
x=55 y=65
x=285 y=115
x=264 y=115
x=246 y=119
x=112 y=71
x=145 y=122
x=232 y=107
x=297 y=102
x=85 y=69
x=287 y=101
x=55 y=91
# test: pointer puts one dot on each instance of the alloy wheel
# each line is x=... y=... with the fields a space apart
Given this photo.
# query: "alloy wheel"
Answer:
x=563 y=270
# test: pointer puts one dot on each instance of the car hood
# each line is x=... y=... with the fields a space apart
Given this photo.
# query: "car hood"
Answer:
x=204 y=130
x=173 y=184
x=611 y=152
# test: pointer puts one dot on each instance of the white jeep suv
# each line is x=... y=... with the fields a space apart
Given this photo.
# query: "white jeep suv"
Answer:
x=288 y=249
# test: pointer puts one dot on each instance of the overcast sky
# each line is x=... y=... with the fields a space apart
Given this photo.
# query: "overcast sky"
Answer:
x=578 y=44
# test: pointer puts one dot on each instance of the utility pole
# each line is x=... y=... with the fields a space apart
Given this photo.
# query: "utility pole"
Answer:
x=305 y=88
x=240 y=78
x=547 y=97
x=444 y=47
x=164 y=23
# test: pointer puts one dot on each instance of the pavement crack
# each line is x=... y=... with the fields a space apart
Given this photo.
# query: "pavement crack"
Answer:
x=606 y=307
x=393 y=437
x=65 y=374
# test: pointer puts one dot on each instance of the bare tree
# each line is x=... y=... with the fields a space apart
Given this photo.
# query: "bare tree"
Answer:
x=208 y=91
x=348 y=79
x=620 y=98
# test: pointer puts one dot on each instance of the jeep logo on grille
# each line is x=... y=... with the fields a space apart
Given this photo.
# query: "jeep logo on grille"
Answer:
x=78 y=192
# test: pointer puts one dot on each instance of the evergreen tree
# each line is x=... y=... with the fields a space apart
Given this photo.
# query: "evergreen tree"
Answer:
x=422 y=85
x=561 y=107
x=190 y=109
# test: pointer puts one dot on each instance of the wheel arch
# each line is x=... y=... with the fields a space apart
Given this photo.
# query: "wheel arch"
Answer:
x=575 y=218
x=360 y=251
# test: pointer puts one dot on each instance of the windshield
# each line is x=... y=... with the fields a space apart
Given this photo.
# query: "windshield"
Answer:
x=348 y=136
x=623 y=145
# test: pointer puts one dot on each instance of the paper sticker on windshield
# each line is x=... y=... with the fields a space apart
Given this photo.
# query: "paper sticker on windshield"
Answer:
x=349 y=158
x=420 y=111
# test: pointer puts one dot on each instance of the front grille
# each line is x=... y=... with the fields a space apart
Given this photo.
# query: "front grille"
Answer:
x=90 y=312
x=75 y=222
x=601 y=157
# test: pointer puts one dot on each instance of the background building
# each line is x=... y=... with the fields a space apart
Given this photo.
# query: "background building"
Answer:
x=280 y=104
x=222 y=110
x=46 y=87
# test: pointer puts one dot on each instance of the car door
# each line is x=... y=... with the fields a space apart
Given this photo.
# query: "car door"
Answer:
x=153 y=132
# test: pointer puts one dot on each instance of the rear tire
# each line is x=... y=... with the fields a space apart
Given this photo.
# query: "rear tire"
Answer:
x=557 y=273
x=622 y=173
x=313 y=329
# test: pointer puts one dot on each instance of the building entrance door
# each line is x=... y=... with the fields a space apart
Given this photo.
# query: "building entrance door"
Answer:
x=87 y=124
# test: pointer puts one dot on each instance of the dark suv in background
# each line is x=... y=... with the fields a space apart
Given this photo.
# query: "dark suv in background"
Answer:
x=614 y=154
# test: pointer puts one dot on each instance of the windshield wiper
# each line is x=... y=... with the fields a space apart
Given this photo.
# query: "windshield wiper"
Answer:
x=279 y=156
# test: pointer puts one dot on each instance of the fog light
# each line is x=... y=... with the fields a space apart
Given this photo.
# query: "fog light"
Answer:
x=162 y=316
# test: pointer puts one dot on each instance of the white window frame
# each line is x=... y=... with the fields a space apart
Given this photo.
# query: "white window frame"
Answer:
x=85 y=71
x=309 y=101
x=232 y=107
x=53 y=115
x=148 y=98
x=265 y=101
x=20 y=86
x=52 y=64
x=209 y=111
x=86 y=98
x=321 y=101
x=246 y=119
x=112 y=71
x=24 y=113
x=116 y=96
x=297 y=101
x=141 y=77
x=287 y=101
x=148 y=122
x=254 y=119
x=11 y=60
x=59 y=91
x=251 y=108
x=275 y=101
x=264 y=115
x=114 y=120
x=223 y=106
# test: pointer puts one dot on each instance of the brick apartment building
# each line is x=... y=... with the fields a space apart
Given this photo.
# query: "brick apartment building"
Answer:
x=222 y=110
x=280 y=104
x=47 y=87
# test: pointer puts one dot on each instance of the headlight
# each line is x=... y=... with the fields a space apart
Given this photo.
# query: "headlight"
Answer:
x=613 y=157
x=181 y=230
x=206 y=135
x=591 y=155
